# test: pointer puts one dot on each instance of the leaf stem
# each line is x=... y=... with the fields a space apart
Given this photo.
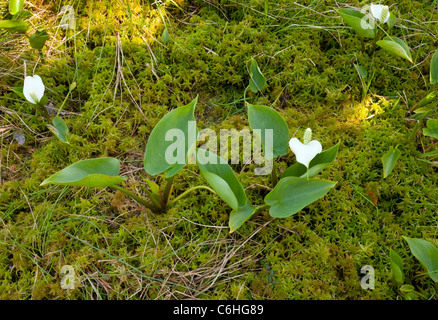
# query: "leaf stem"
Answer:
x=190 y=190
x=274 y=174
x=62 y=105
x=376 y=38
x=136 y=198
x=166 y=193
x=153 y=197
x=363 y=44
x=44 y=111
x=259 y=209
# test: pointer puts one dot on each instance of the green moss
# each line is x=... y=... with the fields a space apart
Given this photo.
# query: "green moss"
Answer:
x=121 y=250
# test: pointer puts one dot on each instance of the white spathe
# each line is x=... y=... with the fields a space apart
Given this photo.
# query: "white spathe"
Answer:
x=305 y=152
x=33 y=89
x=378 y=12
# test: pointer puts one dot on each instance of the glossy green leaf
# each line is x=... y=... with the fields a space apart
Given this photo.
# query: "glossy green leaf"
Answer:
x=221 y=178
x=292 y=194
x=434 y=68
x=240 y=216
x=38 y=39
x=389 y=159
x=432 y=128
x=319 y=163
x=359 y=22
x=396 y=267
x=14 y=25
x=427 y=253
x=59 y=129
x=257 y=80
x=15 y=6
x=180 y=119
x=396 y=46
x=265 y=118
x=100 y=172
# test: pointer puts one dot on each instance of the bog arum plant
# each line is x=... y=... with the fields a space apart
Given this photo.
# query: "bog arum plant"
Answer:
x=290 y=194
x=370 y=23
x=33 y=91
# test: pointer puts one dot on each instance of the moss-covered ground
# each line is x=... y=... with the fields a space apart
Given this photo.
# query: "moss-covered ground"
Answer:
x=128 y=79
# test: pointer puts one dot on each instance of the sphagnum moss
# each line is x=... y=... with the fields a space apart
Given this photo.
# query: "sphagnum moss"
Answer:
x=315 y=254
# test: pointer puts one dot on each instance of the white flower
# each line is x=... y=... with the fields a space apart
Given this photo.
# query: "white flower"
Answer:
x=380 y=12
x=305 y=152
x=33 y=89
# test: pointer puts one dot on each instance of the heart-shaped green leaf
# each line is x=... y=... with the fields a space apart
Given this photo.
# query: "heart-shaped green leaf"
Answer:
x=389 y=160
x=14 y=25
x=316 y=165
x=360 y=23
x=15 y=6
x=100 y=172
x=292 y=194
x=221 y=178
x=38 y=39
x=432 y=128
x=396 y=267
x=257 y=80
x=434 y=68
x=59 y=129
x=179 y=123
x=396 y=46
x=427 y=253
x=265 y=118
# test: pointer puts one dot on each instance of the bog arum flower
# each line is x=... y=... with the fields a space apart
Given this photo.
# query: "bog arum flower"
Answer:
x=380 y=12
x=33 y=89
x=306 y=151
